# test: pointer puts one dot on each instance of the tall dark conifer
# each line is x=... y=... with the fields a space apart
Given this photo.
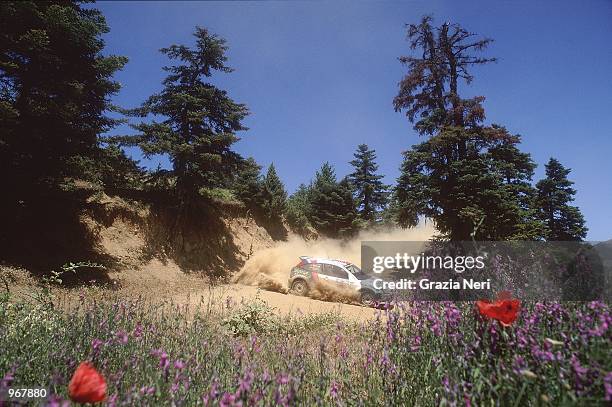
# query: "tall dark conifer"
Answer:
x=429 y=93
x=248 y=185
x=299 y=209
x=470 y=179
x=486 y=195
x=370 y=192
x=55 y=87
x=275 y=196
x=563 y=221
x=200 y=121
x=333 y=210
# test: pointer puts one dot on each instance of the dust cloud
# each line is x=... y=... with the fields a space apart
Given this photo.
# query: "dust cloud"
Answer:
x=269 y=268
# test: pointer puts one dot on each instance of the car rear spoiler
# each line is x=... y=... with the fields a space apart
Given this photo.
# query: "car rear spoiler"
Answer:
x=307 y=259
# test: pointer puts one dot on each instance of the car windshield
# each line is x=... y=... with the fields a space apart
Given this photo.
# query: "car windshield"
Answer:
x=360 y=275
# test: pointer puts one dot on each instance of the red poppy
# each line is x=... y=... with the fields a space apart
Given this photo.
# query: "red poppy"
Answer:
x=87 y=385
x=504 y=309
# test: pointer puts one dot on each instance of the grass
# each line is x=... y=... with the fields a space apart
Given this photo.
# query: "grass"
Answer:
x=417 y=354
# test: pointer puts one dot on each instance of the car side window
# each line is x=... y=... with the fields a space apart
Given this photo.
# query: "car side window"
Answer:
x=335 y=271
x=341 y=273
x=312 y=267
x=327 y=269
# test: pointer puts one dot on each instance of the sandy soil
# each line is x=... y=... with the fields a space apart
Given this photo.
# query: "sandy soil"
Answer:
x=281 y=303
x=168 y=282
x=264 y=275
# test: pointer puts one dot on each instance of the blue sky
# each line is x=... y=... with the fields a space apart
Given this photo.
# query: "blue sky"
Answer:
x=319 y=78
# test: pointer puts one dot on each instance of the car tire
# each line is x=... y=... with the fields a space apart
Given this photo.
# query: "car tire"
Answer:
x=299 y=287
x=368 y=298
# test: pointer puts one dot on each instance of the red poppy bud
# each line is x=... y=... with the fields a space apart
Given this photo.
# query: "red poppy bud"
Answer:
x=87 y=385
x=503 y=310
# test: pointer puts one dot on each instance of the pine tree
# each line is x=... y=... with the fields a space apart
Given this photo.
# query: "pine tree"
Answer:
x=563 y=221
x=299 y=209
x=333 y=209
x=200 y=122
x=516 y=170
x=275 y=198
x=55 y=87
x=480 y=196
x=56 y=83
x=429 y=93
x=472 y=180
x=347 y=218
x=248 y=185
x=370 y=192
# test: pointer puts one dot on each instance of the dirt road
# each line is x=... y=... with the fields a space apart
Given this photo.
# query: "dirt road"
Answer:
x=169 y=282
x=281 y=303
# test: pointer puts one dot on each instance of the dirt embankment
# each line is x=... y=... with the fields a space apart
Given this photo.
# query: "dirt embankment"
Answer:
x=153 y=243
x=149 y=253
x=242 y=248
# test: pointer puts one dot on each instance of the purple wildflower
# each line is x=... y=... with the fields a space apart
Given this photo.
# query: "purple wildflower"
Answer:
x=228 y=399
x=122 y=337
x=56 y=401
x=282 y=378
x=96 y=344
x=608 y=386
x=245 y=382
x=138 y=331
x=333 y=389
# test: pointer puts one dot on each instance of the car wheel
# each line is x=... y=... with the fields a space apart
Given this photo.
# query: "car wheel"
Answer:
x=367 y=298
x=299 y=287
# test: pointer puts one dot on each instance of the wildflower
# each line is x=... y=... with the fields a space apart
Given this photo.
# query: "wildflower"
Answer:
x=87 y=385
x=96 y=344
x=504 y=309
x=333 y=390
x=453 y=315
x=228 y=399
x=57 y=401
x=244 y=384
x=369 y=359
x=416 y=344
x=256 y=398
x=122 y=337
x=580 y=370
x=608 y=386
x=519 y=364
x=446 y=384
x=541 y=354
x=212 y=394
x=138 y=331
x=163 y=361
x=581 y=374
x=282 y=379
x=8 y=378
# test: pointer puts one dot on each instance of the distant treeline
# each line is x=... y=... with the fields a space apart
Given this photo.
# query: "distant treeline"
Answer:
x=470 y=178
